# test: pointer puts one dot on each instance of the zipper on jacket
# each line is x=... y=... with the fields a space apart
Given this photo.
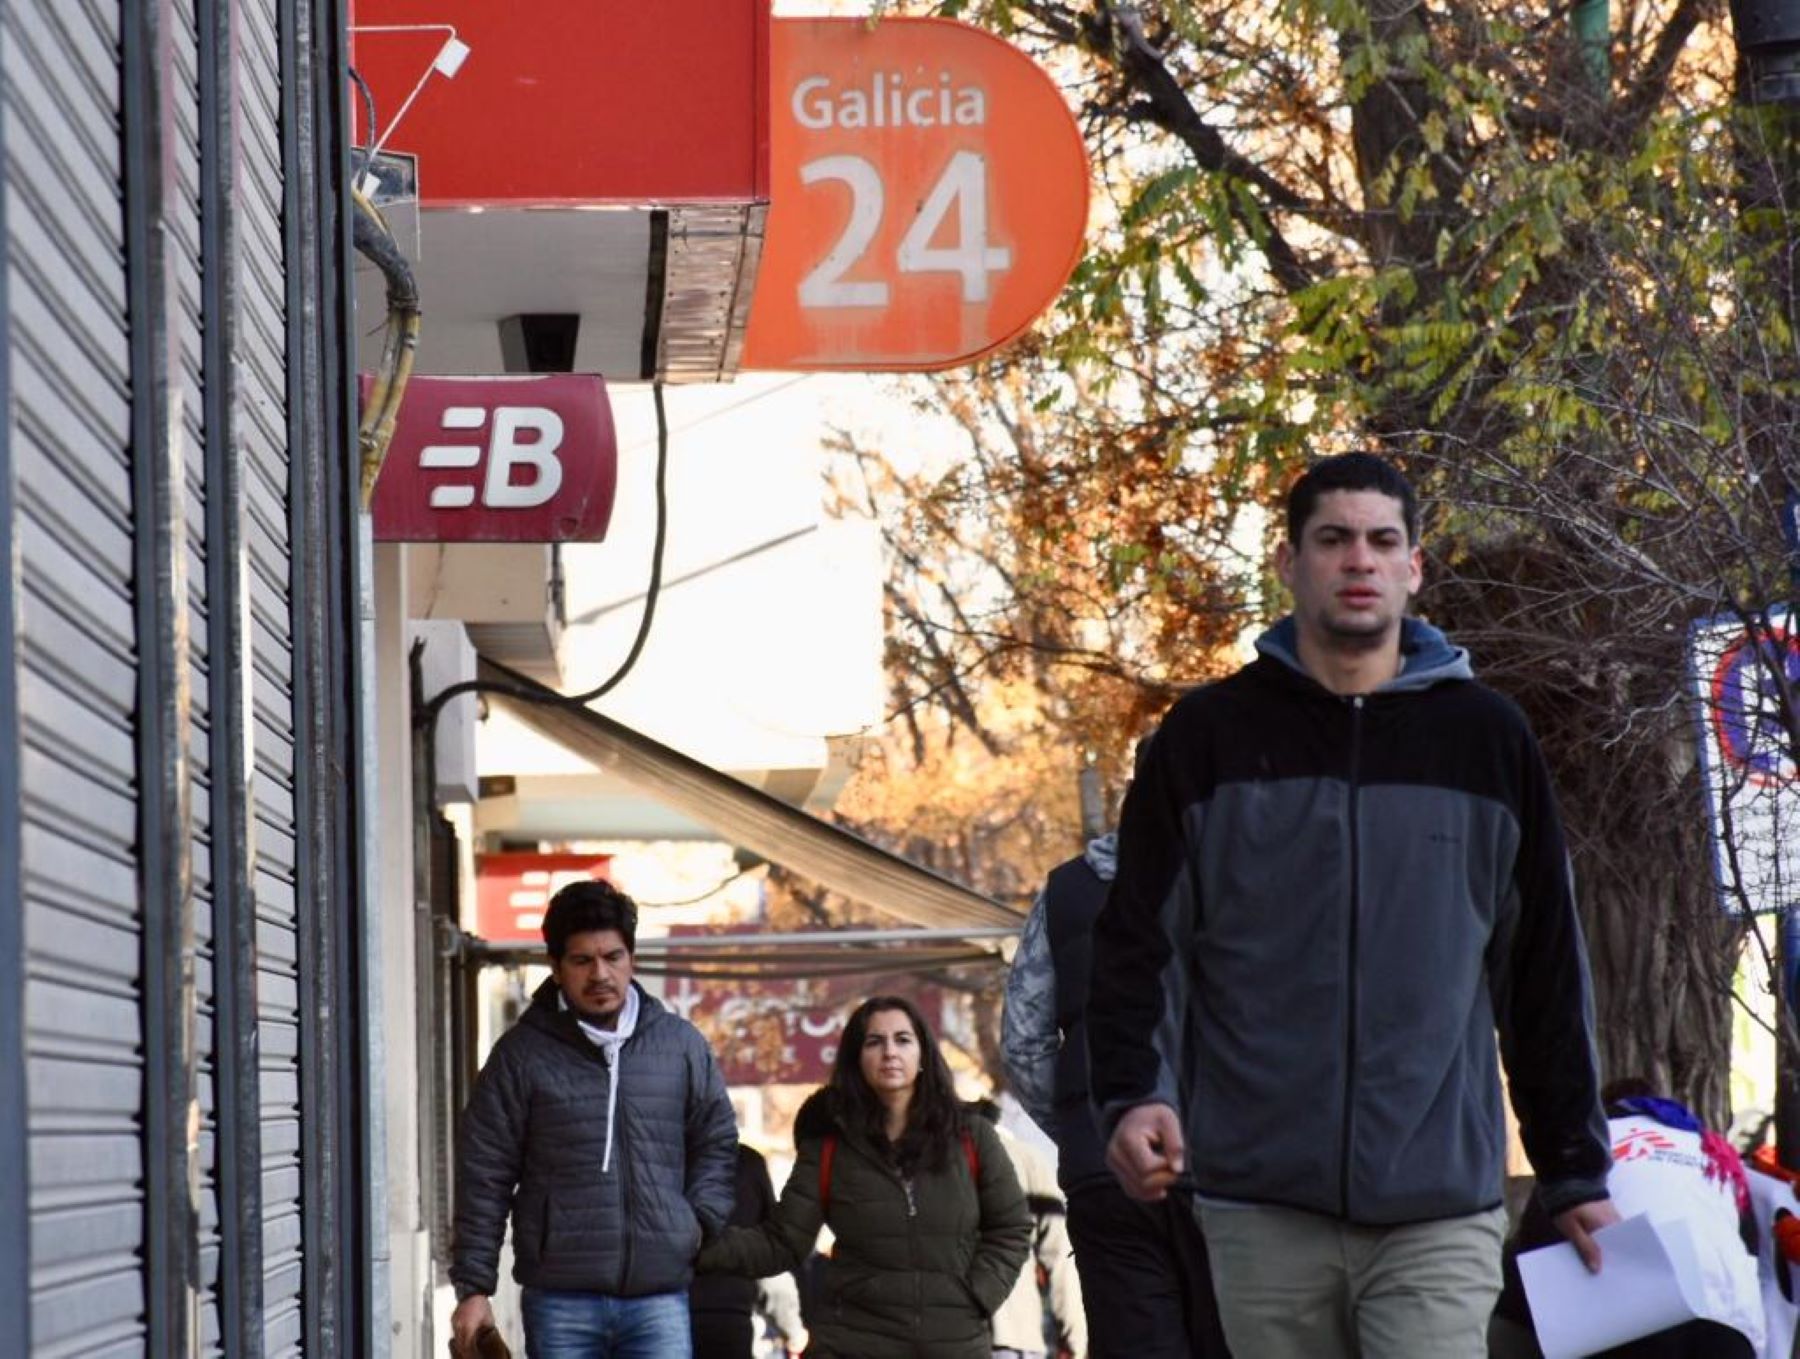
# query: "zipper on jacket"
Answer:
x=625 y=1195
x=918 y=1257
x=1356 y=721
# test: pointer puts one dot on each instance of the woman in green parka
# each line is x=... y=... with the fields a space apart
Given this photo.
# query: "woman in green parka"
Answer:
x=930 y=1224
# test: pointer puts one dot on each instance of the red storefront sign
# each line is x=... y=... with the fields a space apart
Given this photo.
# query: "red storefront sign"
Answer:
x=513 y=890
x=499 y=460
x=572 y=101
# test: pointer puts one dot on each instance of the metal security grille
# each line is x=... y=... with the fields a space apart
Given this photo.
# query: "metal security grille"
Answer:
x=70 y=428
x=192 y=374
x=174 y=420
x=262 y=427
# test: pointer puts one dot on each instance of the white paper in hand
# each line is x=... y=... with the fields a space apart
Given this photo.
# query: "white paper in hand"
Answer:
x=1648 y=1281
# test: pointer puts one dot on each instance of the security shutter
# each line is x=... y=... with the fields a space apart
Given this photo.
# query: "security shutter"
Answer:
x=262 y=427
x=77 y=671
x=189 y=378
x=102 y=993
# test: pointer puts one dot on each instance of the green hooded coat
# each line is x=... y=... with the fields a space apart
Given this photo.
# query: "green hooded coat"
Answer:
x=917 y=1269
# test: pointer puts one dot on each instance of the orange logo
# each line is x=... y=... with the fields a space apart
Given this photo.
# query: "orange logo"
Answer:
x=928 y=196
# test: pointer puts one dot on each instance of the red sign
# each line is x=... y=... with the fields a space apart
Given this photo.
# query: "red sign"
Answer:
x=928 y=196
x=513 y=891
x=761 y=1033
x=499 y=460
x=570 y=101
x=783 y=1031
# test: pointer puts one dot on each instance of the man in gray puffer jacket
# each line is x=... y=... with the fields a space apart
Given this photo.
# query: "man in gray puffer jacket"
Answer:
x=602 y=1123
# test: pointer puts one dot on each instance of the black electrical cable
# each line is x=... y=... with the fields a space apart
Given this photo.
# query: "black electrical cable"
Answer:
x=716 y=888
x=369 y=102
x=428 y=715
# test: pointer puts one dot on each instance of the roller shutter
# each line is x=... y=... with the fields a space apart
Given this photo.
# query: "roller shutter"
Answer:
x=160 y=653
x=77 y=672
x=262 y=429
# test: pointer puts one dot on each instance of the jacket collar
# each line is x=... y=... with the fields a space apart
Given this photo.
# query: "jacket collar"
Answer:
x=819 y=1116
x=1427 y=657
x=1102 y=856
x=546 y=1013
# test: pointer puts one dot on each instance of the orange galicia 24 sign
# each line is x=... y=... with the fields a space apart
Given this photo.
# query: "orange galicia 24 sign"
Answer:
x=928 y=196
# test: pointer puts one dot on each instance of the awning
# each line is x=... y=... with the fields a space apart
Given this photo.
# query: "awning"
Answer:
x=827 y=854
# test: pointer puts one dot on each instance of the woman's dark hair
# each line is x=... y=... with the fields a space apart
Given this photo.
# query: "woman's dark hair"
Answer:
x=934 y=1118
x=585 y=906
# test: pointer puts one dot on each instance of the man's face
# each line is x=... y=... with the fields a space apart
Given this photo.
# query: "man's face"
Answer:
x=1352 y=571
x=594 y=973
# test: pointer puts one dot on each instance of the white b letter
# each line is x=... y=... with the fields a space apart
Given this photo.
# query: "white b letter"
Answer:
x=505 y=452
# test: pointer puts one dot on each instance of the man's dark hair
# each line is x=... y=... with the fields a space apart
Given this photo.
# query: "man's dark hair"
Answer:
x=585 y=906
x=1349 y=472
x=934 y=1119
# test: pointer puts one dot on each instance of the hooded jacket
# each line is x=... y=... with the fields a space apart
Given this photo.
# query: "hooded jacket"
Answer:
x=1043 y=1032
x=1325 y=908
x=611 y=1188
x=752 y=1200
x=915 y=1271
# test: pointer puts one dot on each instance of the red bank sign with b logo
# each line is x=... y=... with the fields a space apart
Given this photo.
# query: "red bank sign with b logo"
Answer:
x=499 y=460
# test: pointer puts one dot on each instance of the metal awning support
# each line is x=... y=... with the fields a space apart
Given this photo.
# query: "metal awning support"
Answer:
x=829 y=855
x=765 y=957
x=682 y=943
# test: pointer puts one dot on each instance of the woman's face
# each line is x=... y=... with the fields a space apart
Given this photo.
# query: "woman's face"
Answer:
x=890 y=1053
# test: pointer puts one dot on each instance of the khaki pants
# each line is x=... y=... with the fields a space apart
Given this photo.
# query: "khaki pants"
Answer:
x=1296 y=1285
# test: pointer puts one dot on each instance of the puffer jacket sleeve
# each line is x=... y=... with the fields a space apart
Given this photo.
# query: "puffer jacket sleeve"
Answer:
x=711 y=1132
x=489 y=1156
x=785 y=1238
x=1005 y=1222
x=1029 y=1038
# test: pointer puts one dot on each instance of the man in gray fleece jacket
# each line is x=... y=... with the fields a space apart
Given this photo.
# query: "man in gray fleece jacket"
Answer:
x=1341 y=873
x=602 y=1124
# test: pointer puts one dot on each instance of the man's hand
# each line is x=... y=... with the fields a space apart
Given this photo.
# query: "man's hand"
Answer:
x=471 y=1314
x=1579 y=1224
x=1146 y=1151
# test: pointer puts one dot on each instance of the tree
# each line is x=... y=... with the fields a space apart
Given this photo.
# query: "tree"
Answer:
x=1070 y=544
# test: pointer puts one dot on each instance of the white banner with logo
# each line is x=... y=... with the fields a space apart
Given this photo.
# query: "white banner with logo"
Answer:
x=1745 y=677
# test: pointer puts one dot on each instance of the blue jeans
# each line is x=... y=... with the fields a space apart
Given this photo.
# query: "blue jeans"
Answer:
x=592 y=1326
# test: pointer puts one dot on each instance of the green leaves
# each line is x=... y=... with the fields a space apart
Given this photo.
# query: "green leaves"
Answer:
x=1152 y=197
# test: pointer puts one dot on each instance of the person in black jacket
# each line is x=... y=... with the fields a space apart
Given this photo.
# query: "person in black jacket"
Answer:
x=601 y=1123
x=1146 y=1260
x=1340 y=870
x=721 y=1305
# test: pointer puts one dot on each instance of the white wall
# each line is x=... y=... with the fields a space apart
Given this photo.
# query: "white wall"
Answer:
x=406 y=1242
x=754 y=662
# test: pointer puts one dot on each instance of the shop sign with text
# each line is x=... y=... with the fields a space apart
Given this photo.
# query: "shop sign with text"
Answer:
x=928 y=196
x=513 y=890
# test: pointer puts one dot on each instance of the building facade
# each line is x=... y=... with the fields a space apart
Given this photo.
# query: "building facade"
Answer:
x=183 y=1152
